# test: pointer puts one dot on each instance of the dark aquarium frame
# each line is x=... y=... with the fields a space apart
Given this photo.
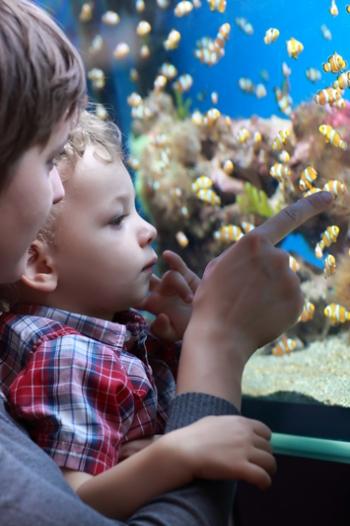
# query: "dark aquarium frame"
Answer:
x=303 y=419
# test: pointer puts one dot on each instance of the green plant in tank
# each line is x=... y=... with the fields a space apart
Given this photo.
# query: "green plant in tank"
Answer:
x=254 y=201
x=182 y=105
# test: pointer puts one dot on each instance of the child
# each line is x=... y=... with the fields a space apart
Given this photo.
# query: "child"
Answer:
x=83 y=379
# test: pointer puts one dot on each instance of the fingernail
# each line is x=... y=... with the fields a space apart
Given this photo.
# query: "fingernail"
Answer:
x=189 y=298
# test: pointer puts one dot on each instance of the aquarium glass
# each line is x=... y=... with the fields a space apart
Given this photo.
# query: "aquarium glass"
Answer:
x=231 y=110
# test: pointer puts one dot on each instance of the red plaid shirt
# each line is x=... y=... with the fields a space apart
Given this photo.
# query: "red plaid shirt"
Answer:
x=82 y=386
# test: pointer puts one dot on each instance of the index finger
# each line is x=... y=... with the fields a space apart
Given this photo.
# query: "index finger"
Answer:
x=294 y=215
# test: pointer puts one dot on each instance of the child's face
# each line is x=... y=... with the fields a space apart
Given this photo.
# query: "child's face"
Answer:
x=26 y=201
x=103 y=251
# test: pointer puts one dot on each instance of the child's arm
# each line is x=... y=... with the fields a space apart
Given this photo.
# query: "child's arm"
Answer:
x=215 y=447
x=170 y=298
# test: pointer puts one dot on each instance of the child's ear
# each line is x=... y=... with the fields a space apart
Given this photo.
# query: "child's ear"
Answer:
x=40 y=273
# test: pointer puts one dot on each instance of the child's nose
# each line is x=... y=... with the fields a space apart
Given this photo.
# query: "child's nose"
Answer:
x=148 y=234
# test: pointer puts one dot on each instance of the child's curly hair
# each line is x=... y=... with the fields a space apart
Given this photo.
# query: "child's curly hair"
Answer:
x=104 y=136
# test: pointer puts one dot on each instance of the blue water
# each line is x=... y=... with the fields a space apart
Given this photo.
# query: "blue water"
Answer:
x=296 y=244
x=246 y=56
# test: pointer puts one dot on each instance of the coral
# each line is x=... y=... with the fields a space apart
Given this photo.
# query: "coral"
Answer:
x=254 y=201
x=341 y=281
x=174 y=152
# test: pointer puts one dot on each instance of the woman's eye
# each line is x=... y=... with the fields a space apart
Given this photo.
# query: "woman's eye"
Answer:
x=117 y=220
x=51 y=164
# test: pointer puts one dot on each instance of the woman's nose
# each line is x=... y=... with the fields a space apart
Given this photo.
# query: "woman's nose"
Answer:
x=57 y=186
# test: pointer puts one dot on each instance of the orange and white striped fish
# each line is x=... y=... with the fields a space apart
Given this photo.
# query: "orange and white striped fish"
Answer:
x=217 y=5
x=335 y=187
x=330 y=265
x=247 y=227
x=332 y=136
x=160 y=82
x=284 y=346
x=328 y=96
x=243 y=135
x=294 y=265
x=336 y=313
x=271 y=35
x=183 y=8
x=334 y=64
x=173 y=40
x=209 y=196
x=284 y=156
x=343 y=81
x=307 y=313
x=280 y=171
x=294 y=47
x=211 y=116
x=284 y=101
x=328 y=237
x=280 y=140
x=228 y=167
x=182 y=239
x=334 y=11
x=202 y=183
x=307 y=177
x=228 y=233
x=183 y=83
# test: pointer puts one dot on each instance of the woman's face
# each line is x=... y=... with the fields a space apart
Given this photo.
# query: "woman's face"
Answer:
x=26 y=201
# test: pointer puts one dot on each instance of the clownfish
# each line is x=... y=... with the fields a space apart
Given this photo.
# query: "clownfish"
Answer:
x=228 y=233
x=280 y=172
x=328 y=96
x=335 y=187
x=183 y=8
x=202 y=183
x=334 y=64
x=307 y=313
x=217 y=5
x=330 y=265
x=307 y=177
x=336 y=313
x=209 y=196
x=173 y=40
x=294 y=47
x=332 y=136
x=329 y=236
x=183 y=83
x=271 y=35
x=284 y=346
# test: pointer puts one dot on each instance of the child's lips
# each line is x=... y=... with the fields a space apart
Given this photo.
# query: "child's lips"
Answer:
x=150 y=265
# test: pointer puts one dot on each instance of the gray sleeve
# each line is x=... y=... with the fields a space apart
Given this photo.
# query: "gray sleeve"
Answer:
x=34 y=493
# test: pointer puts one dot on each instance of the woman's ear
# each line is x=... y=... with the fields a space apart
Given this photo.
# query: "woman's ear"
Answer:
x=40 y=272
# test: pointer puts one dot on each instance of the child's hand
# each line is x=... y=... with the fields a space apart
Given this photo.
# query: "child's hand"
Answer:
x=225 y=447
x=170 y=298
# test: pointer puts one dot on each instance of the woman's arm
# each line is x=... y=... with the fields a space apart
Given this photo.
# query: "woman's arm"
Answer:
x=215 y=447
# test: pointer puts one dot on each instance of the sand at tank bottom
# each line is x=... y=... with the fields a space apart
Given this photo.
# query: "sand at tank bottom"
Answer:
x=322 y=371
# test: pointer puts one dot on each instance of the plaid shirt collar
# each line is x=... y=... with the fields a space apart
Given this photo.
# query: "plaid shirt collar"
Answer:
x=126 y=325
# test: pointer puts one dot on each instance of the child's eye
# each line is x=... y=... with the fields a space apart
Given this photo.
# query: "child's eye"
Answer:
x=117 y=220
x=51 y=164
